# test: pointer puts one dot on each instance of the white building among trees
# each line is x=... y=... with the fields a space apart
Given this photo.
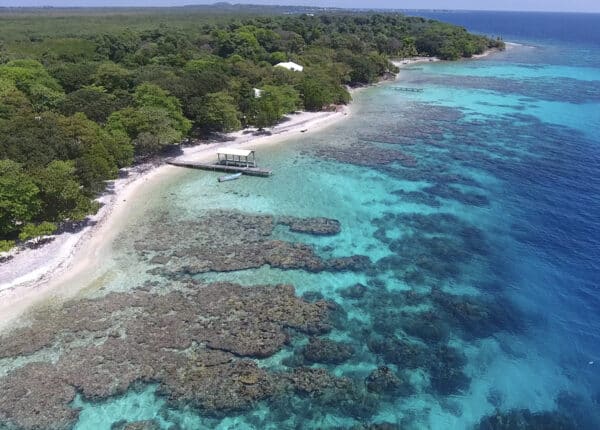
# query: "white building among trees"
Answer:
x=291 y=66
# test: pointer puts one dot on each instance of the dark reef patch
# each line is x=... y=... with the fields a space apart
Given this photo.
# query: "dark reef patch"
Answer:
x=35 y=397
x=427 y=326
x=384 y=381
x=225 y=241
x=354 y=292
x=418 y=197
x=524 y=419
x=559 y=89
x=137 y=425
x=317 y=226
x=434 y=245
x=404 y=353
x=220 y=389
x=445 y=370
x=326 y=351
x=479 y=316
x=190 y=342
x=364 y=153
x=452 y=193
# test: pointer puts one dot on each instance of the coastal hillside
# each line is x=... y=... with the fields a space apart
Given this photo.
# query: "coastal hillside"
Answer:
x=85 y=92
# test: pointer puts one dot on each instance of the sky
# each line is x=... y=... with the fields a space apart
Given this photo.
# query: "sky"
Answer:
x=529 y=5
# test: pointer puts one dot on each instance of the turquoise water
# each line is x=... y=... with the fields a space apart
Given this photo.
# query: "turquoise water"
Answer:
x=483 y=231
x=471 y=145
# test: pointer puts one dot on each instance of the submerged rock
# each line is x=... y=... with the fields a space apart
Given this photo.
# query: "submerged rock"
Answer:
x=355 y=263
x=315 y=381
x=224 y=241
x=355 y=292
x=219 y=390
x=418 y=197
x=495 y=397
x=333 y=394
x=189 y=342
x=452 y=193
x=524 y=419
x=364 y=153
x=434 y=245
x=384 y=381
x=477 y=316
x=382 y=426
x=313 y=296
x=405 y=354
x=446 y=374
x=316 y=226
x=137 y=425
x=326 y=351
x=426 y=326
x=35 y=397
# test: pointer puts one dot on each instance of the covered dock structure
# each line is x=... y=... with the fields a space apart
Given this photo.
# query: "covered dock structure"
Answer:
x=236 y=157
x=229 y=160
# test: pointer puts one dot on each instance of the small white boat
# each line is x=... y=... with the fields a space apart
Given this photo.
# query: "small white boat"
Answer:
x=229 y=177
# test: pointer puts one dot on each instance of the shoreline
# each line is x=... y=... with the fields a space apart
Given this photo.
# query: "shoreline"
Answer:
x=36 y=275
x=33 y=276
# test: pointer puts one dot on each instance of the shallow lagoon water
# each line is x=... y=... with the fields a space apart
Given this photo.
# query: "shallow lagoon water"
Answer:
x=497 y=204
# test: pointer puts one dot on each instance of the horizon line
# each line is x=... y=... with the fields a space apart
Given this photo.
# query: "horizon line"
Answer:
x=442 y=10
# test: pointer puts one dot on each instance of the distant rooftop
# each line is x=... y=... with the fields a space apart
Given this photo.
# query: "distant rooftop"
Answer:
x=291 y=66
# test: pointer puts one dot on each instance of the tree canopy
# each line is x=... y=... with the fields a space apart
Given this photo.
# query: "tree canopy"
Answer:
x=81 y=98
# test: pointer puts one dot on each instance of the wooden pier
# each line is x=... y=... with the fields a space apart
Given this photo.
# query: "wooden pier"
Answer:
x=409 y=89
x=250 y=171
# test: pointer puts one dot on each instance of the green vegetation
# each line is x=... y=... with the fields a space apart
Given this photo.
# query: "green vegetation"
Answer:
x=30 y=231
x=85 y=92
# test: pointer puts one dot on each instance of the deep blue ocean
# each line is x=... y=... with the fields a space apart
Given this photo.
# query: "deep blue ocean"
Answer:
x=575 y=29
x=553 y=197
x=478 y=202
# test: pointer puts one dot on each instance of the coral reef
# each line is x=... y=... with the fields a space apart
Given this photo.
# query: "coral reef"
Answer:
x=326 y=351
x=34 y=397
x=524 y=419
x=224 y=241
x=452 y=193
x=355 y=292
x=315 y=381
x=445 y=370
x=427 y=326
x=404 y=353
x=478 y=317
x=188 y=341
x=317 y=226
x=418 y=197
x=365 y=154
x=138 y=425
x=219 y=389
x=435 y=245
x=380 y=426
x=384 y=381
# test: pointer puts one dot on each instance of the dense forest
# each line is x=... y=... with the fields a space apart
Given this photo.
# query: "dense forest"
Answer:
x=84 y=93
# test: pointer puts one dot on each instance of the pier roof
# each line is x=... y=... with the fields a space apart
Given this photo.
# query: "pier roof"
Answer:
x=235 y=151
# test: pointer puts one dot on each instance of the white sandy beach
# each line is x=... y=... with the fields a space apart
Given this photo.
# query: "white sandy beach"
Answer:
x=35 y=275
